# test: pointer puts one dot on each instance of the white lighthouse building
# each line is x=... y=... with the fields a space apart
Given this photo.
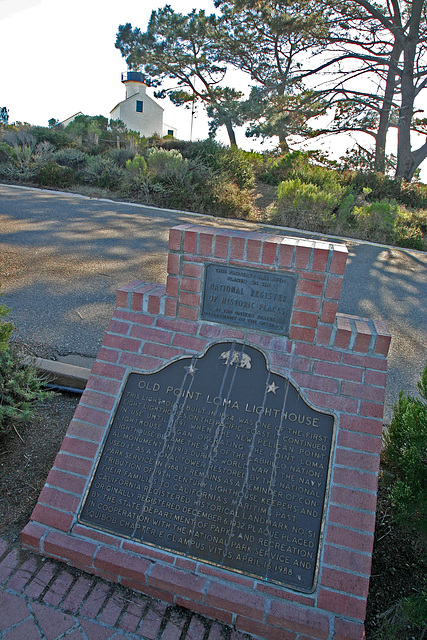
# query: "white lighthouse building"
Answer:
x=139 y=111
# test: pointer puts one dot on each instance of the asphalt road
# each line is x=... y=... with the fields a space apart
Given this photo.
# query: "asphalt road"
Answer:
x=62 y=258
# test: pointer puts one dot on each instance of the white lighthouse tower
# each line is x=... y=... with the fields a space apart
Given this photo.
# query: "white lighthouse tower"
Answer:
x=139 y=111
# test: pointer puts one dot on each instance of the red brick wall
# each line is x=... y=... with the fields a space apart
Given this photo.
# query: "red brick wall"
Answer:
x=337 y=361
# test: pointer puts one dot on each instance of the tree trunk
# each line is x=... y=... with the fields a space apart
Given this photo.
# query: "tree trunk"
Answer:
x=231 y=134
x=283 y=143
x=406 y=160
x=415 y=159
x=381 y=137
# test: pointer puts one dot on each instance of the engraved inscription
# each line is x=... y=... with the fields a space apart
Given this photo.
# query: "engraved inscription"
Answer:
x=225 y=464
x=248 y=297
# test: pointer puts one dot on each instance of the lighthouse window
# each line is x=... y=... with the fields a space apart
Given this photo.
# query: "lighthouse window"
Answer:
x=139 y=106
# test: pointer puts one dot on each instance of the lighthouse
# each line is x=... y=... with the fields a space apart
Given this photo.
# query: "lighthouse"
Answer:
x=139 y=111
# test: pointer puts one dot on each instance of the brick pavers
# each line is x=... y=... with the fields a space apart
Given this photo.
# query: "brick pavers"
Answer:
x=46 y=600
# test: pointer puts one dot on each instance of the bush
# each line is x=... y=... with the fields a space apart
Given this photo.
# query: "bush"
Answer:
x=406 y=193
x=121 y=156
x=51 y=174
x=165 y=162
x=138 y=164
x=102 y=171
x=226 y=200
x=413 y=195
x=407 y=233
x=190 y=184
x=278 y=168
x=305 y=205
x=6 y=328
x=20 y=385
x=20 y=390
x=237 y=165
x=404 y=618
x=384 y=221
x=293 y=165
x=55 y=136
x=206 y=152
x=377 y=219
x=25 y=156
x=184 y=185
x=323 y=177
x=73 y=158
x=344 y=217
x=137 y=186
x=405 y=456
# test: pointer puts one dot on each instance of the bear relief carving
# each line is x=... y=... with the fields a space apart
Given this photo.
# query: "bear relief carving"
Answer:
x=242 y=360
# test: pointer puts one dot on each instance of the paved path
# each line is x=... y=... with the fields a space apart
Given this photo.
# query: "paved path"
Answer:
x=63 y=256
x=42 y=599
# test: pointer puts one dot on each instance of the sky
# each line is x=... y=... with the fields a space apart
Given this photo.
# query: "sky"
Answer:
x=58 y=59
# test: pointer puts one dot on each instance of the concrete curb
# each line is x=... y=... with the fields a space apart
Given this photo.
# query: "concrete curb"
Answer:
x=62 y=374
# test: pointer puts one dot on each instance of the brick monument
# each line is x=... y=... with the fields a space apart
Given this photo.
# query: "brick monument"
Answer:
x=225 y=453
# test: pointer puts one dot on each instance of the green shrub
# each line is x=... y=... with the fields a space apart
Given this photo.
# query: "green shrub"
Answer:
x=408 y=235
x=183 y=185
x=165 y=162
x=20 y=385
x=73 y=158
x=385 y=221
x=226 y=200
x=193 y=184
x=121 y=156
x=137 y=186
x=310 y=197
x=206 y=152
x=344 y=212
x=56 y=136
x=414 y=195
x=406 y=193
x=4 y=152
x=406 y=617
x=405 y=456
x=20 y=390
x=102 y=171
x=237 y=165
x=278 y=168
x=323 y=177
x=418 y=217
x=138 y=164
x=293 y=165
x=51 y=174
x=25 y=156
x=305 y=205
x=376 y=218
x=6 y=328
x=381 y=185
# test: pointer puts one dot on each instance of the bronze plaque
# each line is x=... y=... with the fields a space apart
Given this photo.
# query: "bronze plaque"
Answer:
x=252 y=298
x=218 y=459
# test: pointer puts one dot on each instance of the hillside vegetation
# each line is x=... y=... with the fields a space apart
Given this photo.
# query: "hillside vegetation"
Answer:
x=310 y=192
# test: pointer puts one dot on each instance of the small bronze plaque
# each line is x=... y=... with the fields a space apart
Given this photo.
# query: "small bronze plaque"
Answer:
x=249 y=297
x=218 y=459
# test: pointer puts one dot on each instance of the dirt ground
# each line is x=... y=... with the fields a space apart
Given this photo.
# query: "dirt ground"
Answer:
x=27 y=454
